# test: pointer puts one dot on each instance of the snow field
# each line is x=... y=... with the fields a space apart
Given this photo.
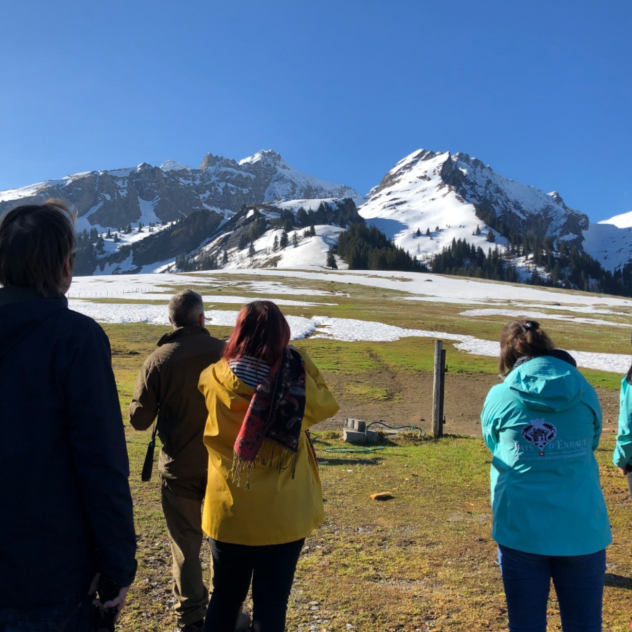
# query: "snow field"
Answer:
x=344 y=329
x=527 y=302
x=513 y=313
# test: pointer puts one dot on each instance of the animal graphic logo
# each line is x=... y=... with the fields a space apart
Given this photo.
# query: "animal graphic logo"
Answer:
x=539 y=433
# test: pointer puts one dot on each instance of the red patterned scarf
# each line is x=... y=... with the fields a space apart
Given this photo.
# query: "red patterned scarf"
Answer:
x=271 y=428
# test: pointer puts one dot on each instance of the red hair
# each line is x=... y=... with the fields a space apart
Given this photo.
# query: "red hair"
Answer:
x=261 y=331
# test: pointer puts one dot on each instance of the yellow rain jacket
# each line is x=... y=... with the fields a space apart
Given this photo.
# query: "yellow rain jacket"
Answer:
x=277 y=508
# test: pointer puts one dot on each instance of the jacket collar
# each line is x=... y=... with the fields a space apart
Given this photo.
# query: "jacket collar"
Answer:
x=182 y=332
x=14 y=294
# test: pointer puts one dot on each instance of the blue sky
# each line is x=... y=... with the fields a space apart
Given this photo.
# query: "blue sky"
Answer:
x=343 y=89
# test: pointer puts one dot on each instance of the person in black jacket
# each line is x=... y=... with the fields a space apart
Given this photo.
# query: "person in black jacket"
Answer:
x=64 y=493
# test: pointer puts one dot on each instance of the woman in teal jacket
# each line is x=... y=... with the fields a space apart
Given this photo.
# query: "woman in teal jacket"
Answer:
x=622 y=457
x=542 y=425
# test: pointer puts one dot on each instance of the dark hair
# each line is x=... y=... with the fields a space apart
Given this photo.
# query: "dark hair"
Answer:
x=521 y=338
x=261 y=331
x=185 y=308
x=35 y=242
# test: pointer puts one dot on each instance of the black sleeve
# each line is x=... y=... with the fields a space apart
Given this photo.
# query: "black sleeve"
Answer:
x=97 y=442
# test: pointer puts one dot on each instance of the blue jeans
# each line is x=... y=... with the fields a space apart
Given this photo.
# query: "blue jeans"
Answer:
x=69 y=616
x=579 y=582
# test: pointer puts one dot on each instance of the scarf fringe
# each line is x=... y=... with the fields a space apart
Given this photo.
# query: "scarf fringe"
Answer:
x=271 y=454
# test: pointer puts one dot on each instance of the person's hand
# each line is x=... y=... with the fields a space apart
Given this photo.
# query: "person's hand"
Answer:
x=623 y=471
x=118 y=603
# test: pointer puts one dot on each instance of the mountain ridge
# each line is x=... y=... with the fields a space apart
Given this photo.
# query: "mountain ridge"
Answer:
x=426 y=202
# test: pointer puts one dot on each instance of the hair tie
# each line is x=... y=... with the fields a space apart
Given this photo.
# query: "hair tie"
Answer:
x=528 y=326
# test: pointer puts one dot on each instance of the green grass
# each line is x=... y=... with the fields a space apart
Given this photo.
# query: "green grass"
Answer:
x=421 y=561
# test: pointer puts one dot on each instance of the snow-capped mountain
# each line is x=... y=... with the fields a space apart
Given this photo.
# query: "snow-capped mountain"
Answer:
x=115 y=198
x=228 y=213
x=430 y=198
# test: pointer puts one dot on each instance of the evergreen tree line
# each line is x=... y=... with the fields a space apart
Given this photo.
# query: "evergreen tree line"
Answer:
x=461 y=258
x=566 y=267
x=367 y=248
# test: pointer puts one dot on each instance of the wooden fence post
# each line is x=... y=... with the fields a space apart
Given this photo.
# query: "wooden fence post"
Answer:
x=443 y=369
x=437 y=419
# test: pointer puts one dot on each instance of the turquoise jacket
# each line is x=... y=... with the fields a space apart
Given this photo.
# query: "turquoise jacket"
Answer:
x=623 y=450
x=542 y=425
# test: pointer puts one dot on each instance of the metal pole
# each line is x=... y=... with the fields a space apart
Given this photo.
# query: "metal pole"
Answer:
x=437 y=426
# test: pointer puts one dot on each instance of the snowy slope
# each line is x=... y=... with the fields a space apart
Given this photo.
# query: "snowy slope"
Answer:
x=622 y=221
x=440 y=192
x=413 y=196
x=309 y=254
x=552 y=305
x=610 y=241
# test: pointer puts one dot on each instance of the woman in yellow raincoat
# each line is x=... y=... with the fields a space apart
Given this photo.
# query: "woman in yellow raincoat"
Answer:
x=264 y=495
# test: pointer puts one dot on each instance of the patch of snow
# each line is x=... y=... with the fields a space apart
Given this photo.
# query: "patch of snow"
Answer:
x=517 y=313
x=346 y=329
x=624 y=220
x=441 y=287
x=172 y=165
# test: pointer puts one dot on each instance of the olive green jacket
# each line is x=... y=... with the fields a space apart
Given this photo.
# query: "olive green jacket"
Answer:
x=167 y=387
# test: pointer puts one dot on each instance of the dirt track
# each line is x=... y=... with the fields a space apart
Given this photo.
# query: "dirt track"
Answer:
x=411 y=402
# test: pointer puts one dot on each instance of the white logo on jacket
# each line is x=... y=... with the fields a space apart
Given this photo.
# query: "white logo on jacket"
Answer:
x=539 y=432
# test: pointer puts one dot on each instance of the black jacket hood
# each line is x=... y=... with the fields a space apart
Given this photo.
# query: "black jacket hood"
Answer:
x=22 y=310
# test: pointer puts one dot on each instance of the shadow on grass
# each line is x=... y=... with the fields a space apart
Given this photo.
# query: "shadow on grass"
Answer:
x=618 y=581
x=327 y=461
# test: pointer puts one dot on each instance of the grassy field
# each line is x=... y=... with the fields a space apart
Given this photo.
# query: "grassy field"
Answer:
x=421 y=561
x=424 y=560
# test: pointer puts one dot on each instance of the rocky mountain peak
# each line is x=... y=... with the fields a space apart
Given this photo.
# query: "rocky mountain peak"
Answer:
x=172 y=165
x=265 y=155
x=209 y=161
x=556 y=197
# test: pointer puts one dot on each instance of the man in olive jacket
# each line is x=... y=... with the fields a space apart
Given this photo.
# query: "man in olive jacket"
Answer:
x=167 y=388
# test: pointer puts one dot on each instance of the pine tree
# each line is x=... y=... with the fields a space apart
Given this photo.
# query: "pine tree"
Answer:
x=490 y=236
x=109 y=235
x=428 y=232
x=225 y=257
x=419 y=232
x=116 y=238
x=275 y=246
x=478 y=230
x=312 y=231
x=331 y=260
x=284 y=239
x=251 y=250
x=436 y=229
x=295 y=239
